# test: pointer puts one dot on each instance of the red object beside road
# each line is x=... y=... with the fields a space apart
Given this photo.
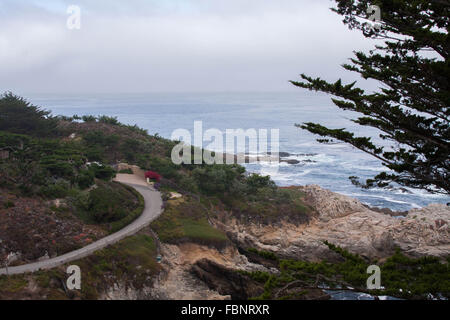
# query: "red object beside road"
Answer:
x=153 y=175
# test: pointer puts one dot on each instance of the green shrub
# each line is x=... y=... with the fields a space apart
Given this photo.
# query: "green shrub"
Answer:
x=89 y=118
x=260 y=276
x=14 y=140
x=57 y=190
x=102 y=172
x=136 y=129
x=265 y=254
x=85 y=179
x=256 y=182
x=108 y=120
x=57 y=167
x=112 y=202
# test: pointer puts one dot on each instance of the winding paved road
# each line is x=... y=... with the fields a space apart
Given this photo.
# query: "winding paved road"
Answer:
x=152 y=209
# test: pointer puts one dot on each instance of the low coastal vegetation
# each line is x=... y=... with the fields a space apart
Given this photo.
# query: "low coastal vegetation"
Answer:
x=402 y=277
x=264 y=254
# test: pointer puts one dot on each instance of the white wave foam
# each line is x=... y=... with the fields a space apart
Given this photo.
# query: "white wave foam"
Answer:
x=385 y=198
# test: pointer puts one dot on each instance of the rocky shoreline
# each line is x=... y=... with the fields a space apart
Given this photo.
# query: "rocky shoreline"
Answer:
x=192 y=271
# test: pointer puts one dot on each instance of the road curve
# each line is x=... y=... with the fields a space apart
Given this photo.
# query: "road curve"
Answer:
x=152 y=209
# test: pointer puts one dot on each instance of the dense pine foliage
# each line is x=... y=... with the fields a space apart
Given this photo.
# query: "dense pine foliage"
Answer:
x=411 y=108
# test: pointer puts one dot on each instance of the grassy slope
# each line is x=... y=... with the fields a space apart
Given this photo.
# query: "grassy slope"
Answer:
x=185 y=220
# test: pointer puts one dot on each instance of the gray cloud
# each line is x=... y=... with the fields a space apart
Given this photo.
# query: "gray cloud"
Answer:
x=183 y=45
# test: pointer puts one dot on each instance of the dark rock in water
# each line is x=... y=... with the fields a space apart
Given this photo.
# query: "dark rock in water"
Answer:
x=284 y=154
x=308 y=154
x=226 y=281
x=291 y=161
x=294 y=161
x=404 y=190
x=280 y=154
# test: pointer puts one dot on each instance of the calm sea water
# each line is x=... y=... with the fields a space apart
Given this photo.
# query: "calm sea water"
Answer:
x=326 y=165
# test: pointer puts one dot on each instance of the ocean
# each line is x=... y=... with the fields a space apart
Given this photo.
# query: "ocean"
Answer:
x=327 y=165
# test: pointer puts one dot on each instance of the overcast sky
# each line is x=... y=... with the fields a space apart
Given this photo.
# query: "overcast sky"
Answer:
x=171 y=45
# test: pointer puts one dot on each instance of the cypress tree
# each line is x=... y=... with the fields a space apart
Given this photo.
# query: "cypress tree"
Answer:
x=411 y=107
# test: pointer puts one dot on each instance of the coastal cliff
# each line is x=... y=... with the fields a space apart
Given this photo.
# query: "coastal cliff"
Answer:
x=346 y=222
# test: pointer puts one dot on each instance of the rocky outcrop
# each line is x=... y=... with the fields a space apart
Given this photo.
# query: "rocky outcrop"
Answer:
x=330 y=205
x=424 y=231
x=346 y=222
x=226 y=281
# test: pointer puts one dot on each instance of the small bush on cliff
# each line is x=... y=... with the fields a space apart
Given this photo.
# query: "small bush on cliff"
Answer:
x=59 y=189
x=89 y=118
x=256 y=182
x=85 y=179
x=102 y=172
x=265 y=254
x=109 y=120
